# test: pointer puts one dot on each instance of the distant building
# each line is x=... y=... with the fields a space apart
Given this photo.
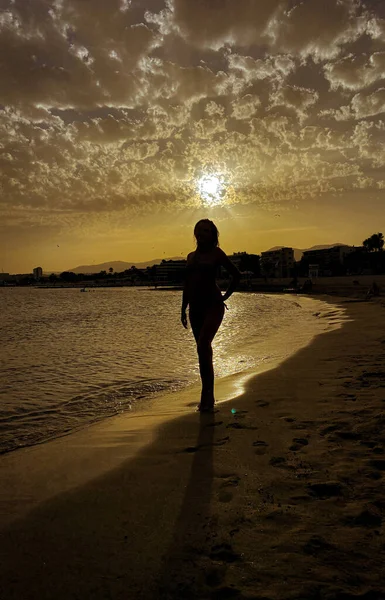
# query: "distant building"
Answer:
x=326 y=257
x=171 y=270
x=37 y=273
x=278 y=263
x=237 y=257
x=313 y=271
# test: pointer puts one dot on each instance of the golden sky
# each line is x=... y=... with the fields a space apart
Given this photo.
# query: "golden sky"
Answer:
x=123 y=122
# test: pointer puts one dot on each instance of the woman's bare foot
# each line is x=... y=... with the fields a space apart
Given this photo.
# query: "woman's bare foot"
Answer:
x=206 y=409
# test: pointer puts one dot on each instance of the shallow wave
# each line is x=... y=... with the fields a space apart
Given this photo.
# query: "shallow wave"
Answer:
x=25 y=427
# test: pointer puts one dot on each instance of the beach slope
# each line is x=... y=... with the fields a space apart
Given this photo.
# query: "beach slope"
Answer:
x=282 y=499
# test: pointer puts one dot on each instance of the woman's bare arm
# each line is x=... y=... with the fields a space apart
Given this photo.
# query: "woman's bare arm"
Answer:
x=185 y=299
x=230 y=267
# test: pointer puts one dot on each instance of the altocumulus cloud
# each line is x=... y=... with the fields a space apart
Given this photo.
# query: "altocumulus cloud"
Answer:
x=120 y=106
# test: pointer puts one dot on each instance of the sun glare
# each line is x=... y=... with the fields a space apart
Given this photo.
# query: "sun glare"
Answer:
x=211 y=189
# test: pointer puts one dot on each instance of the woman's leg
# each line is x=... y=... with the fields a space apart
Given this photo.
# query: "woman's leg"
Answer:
x=210 y=325
x=197 y=318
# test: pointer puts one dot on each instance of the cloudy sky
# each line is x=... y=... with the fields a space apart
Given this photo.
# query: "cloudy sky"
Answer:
x=123 y=122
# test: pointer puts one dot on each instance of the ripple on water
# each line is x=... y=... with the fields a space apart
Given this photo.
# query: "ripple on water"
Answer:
x=72 y=359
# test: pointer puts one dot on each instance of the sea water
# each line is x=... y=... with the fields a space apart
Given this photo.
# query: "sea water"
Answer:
x=69 y=359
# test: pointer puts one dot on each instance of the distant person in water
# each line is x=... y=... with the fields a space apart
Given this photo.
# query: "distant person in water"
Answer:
x=205 y=301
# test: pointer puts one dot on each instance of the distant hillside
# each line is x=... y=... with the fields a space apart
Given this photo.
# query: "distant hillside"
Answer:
x=118 y=265
x=323 y=246
x=299 y=252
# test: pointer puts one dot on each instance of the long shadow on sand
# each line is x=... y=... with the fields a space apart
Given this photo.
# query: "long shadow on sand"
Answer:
x=192 y=525
x=118 y=536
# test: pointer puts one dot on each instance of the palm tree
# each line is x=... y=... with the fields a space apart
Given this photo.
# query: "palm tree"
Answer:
x=374 y=246
x=378 y=242
x=374 y=243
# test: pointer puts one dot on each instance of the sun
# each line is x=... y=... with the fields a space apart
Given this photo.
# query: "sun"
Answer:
x=211 y=189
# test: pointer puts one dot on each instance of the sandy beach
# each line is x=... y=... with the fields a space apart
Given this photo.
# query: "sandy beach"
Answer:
x=282 y=499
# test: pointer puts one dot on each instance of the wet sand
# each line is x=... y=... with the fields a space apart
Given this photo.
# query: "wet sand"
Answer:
x=285 y=499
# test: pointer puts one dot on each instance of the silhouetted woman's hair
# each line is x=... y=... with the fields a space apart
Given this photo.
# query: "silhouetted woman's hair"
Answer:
x=214 y=231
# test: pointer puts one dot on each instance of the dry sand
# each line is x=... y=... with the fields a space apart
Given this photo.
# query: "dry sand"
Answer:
x=285 y=499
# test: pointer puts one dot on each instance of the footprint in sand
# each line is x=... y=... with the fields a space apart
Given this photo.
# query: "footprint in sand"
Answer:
x=299 y=427
x=262 y=403
x=288 y=419
x=224 y=552
x=220 y=442
x=328 y=429
x=231 y=480
x=241 y=426
x=196 y=448
x=367 y=443
x=326 y=489
x=278 y=461
x=348 y=397
x=261 y=447
x=298 y=444
x=369 y=517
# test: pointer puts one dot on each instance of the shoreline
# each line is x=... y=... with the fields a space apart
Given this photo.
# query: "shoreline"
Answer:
x=60 y=463
x=335 y=286
x=251 y=503
x=266 y=353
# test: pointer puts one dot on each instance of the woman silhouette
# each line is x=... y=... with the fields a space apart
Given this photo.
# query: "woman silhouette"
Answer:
x=205 y=301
